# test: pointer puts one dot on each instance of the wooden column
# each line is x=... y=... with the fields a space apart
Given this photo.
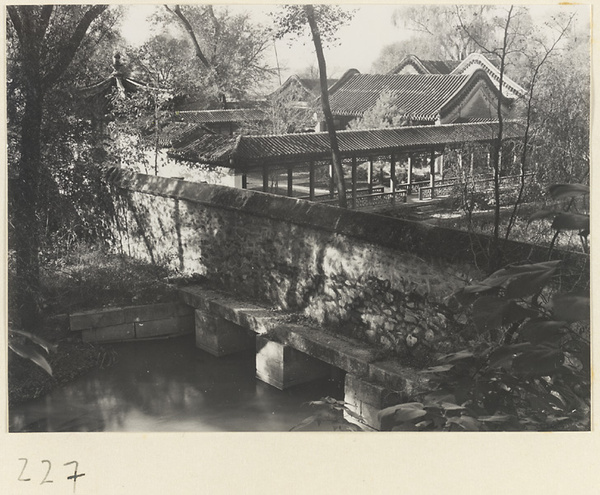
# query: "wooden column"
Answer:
x=410 y=174
x=290 y=181
x=311 y=180
x=471 y=165
x=432 y=173
x=354 y=180
x=265 y=175
x=244 y=181
x=370 y=174
x=500 y=170
x=393 y=177
x=331 y=183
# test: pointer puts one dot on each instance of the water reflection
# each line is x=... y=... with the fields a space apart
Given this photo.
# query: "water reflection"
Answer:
x=170 y=385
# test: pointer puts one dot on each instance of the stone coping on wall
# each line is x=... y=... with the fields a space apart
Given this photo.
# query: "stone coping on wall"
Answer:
x=428 y=241
x=350 y=355
x=133 y=322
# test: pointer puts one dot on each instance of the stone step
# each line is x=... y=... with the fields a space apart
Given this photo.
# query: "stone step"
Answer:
x=251 y=316
x=347 y=354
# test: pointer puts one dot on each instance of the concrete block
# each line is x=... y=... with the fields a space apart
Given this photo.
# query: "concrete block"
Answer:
x=115 y=333
x=351 y=356
x=366 y=399
x=174 y=325
x=391 y=374
x=97 y=319
x=283 y=367
x=149 y=312
x=220 y=337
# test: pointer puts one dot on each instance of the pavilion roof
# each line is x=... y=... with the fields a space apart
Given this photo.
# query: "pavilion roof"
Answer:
x=251 y=151
x=223 y=116
x=426 y=66
x=424 y=97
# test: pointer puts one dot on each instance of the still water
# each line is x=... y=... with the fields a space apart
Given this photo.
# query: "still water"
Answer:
x=170 y=385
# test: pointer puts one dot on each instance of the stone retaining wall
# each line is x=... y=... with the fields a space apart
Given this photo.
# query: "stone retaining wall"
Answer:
x=379 y=279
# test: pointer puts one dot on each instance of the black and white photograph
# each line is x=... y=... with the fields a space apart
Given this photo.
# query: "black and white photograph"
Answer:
x=298 y=218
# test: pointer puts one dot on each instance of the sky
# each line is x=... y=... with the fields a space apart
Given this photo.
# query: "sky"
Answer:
x=360 y=42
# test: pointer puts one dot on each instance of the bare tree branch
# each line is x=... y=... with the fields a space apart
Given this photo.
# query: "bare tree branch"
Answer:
x=70 y=48
x=190 y=31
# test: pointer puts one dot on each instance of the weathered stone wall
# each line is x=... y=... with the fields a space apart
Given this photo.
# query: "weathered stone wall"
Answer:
x=350 y=271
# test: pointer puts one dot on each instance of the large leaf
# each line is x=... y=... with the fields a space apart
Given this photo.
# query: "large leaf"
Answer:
x=512 y=272
x=48 y=347
x=466 y=422
x=403 y=412
x=539 y=330
x=541 y=360
x=438 y=369
x=541 y=215
x=456 y=356
x=571 y=221
x=571 y=307
x=32 y=354
x=515 y=312
x=488 y=312
x=503 y=356
x=560 y=191
x=530 y=283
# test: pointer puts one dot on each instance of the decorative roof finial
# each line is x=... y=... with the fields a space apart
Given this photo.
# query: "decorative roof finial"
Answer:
x=117 y=64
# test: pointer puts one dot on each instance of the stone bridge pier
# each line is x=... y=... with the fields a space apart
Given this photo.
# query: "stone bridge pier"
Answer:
x=289 y=354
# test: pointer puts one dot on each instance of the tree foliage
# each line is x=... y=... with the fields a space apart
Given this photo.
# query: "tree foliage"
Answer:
x=385 y=113
x=439 y=32
x=230 y=47
x=43 y=42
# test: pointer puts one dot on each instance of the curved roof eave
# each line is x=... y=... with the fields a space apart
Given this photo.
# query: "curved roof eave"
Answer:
x=478 y=73
x=490 y=68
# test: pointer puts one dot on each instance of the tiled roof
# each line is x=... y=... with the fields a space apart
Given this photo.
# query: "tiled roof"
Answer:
x=426 y=66
x=179 y=134
x=223 y=116
x=440 y=66
x=248 y=151
x=420 y=95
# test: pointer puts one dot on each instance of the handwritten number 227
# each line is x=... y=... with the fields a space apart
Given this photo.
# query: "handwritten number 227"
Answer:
x=73 y=477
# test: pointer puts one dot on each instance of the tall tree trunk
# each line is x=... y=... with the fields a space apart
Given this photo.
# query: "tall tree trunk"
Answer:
x=336 y=158
x=27 y=238
x=41 y=70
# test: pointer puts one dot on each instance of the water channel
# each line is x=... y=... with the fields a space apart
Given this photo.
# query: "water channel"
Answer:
x=170 y=385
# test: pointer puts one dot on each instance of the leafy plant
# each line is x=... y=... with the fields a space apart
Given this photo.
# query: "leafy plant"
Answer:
x=328 y=410
x=26 y=344
x=529 y=366
x=567 y=220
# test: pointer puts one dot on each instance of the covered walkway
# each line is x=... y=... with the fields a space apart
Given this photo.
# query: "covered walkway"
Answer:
x=380 y=165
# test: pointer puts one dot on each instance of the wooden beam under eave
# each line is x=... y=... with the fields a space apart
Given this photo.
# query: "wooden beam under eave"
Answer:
x=311 y=180
x=354 y=180
x=290 y=181
x=265 y=176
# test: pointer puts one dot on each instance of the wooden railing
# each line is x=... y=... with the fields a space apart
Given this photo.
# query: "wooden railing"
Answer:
x=328 y=196
x=375 y=199
x=428 y=192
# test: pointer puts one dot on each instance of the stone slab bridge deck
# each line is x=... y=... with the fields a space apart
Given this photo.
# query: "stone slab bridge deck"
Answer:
x=289 y=354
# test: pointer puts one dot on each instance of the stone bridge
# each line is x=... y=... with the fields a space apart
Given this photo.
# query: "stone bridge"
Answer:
x=313 y=287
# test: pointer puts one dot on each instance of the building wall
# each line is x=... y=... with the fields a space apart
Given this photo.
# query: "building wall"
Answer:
x=375 y=278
